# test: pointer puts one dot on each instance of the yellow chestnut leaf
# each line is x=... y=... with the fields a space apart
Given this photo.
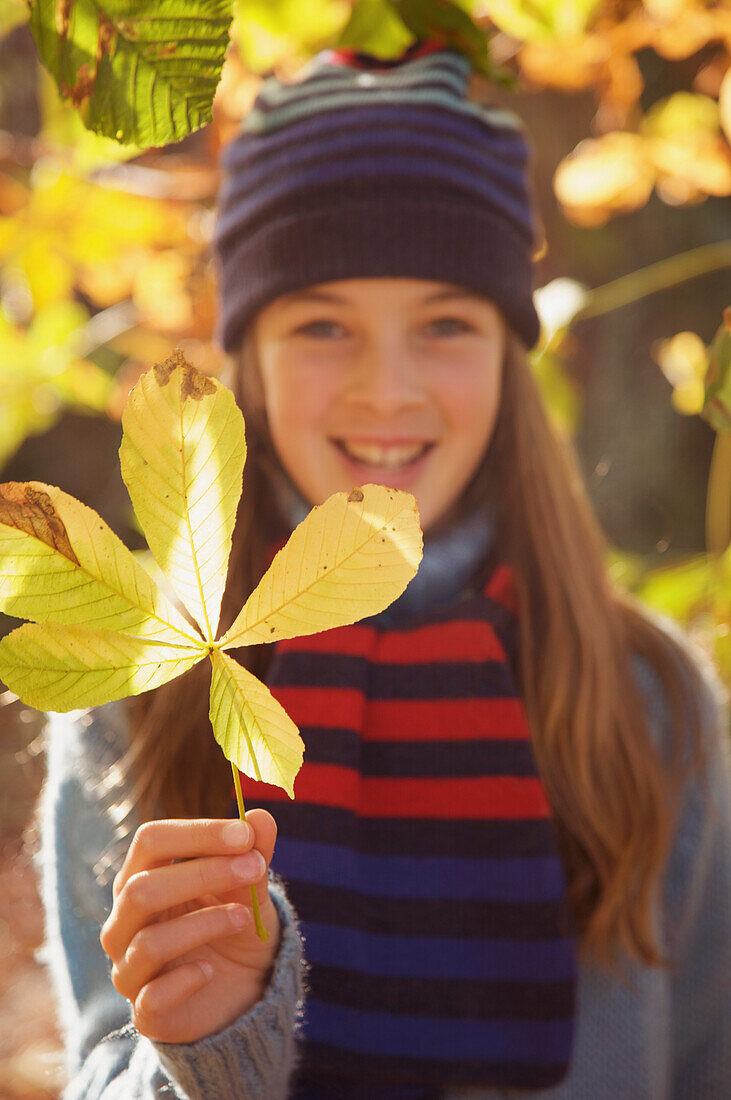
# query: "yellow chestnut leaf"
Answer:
x=349 y=558
x=251 y=726
x=60 y=562
x=182 y=457
x=56 y=667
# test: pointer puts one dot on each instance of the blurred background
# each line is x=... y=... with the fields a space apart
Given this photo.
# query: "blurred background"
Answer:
x=105 y=268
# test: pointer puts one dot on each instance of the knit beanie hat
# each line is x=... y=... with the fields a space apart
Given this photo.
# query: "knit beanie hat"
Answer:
x=363 y=168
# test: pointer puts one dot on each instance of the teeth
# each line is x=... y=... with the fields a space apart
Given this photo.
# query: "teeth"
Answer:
x=383 y=456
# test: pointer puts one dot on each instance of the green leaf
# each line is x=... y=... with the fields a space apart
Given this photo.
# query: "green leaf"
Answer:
x=375 y=28
x=271 y=31
x=182 y=455
x=349 y=558
x=57 y=667
x=449 y=23
x=137 y=72
x=254 y=731
x=62 y=563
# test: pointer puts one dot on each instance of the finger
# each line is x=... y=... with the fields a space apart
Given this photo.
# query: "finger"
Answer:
x=159 y=944
x=149 y=893
x=265 y=830
x=159 y=997
x=157 y=843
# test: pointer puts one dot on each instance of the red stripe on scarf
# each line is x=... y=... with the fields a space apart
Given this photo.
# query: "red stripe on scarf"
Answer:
x=405 y=719
x=479 y=798
x=465 y=639
x=501 y=588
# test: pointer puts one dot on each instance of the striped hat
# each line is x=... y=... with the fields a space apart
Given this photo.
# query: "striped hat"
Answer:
x=366 y=168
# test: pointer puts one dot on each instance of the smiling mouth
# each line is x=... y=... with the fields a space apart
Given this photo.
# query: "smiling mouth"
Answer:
x=383 y=458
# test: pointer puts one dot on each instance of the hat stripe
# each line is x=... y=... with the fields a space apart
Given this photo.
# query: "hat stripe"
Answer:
x=467 y=132
x=323 y=171
x=258 y=121
x=446 y=150
x=318 y=98
x=418 y=82
x=328 y=178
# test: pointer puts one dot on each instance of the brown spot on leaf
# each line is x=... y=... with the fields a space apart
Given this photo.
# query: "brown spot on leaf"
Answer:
x=162 y=371
x=106 y=41
x=192 y=382
x=128 y=27
x=31 y=510
x=355 y=495
x=85 y=82
x=62 y=16
x=83 y=88
x=157 y=50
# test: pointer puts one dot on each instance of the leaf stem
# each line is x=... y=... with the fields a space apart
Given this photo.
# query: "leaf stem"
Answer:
x=258 y=923
x=718 y=499
x=658 y=276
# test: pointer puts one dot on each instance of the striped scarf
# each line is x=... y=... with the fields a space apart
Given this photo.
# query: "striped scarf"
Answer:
x=420 y=856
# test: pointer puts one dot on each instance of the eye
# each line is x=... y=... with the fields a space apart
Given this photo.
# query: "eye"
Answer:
x=449 y=326
x=321 y=330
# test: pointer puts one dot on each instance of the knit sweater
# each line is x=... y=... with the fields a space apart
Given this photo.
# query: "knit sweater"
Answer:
x=647 y=1034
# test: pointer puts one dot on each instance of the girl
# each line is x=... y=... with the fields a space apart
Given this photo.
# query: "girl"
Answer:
x=506 y=870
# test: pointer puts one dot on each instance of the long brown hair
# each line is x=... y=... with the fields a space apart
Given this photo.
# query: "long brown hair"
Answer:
x=614 y=795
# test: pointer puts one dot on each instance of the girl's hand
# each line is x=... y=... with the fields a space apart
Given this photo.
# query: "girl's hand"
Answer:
x=181 y=934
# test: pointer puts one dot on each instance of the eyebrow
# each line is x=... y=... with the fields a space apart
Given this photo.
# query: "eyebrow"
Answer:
x=449 y=294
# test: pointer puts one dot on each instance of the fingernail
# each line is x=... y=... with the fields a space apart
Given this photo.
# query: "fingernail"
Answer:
x=236 y=833
x=250 y=867
x=238 y=917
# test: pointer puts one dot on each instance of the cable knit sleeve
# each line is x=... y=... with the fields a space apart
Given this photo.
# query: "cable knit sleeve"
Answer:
x=698 y=902
x=107 y=1059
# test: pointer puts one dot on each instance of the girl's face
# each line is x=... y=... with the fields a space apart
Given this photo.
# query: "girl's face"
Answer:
x=392 y=381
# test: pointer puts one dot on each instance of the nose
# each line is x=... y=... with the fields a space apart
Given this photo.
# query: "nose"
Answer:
x=387 y=377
